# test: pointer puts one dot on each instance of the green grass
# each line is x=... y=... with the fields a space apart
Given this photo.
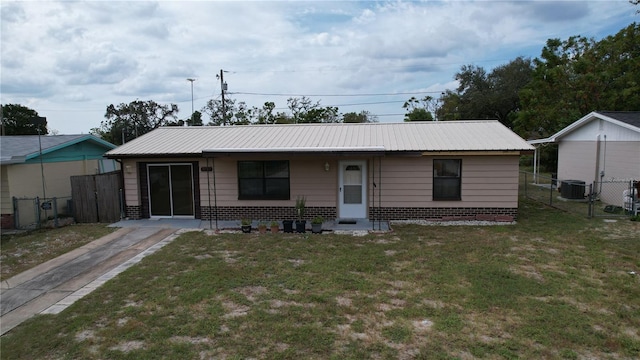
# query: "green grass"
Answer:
x=20 y=252
x=554 y=286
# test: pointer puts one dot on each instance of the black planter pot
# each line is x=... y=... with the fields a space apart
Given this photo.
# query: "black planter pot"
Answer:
x=246 y=229
x=300 y=225
x=287 y=226
x=316 y=228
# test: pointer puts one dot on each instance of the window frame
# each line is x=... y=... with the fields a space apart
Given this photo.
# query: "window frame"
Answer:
x=436 y=195
x=264 y=180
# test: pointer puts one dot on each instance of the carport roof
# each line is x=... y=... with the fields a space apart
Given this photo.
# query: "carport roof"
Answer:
x=326 y=138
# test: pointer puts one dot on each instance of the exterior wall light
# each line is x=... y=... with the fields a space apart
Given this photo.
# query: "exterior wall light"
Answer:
x=326 y=166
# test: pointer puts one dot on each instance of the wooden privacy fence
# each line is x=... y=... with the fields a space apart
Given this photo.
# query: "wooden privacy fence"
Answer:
x=97 y=198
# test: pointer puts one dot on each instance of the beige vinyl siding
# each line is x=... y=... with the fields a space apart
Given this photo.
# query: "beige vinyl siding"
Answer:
x=6 y=202
x=131 y=186
x=487 y=181
x=25 y=180
x=307 y=177
x=622 y=160
x=405 y=182
x=577 y=160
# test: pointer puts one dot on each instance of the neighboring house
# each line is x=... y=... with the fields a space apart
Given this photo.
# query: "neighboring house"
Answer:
x=376 y=171
x=601 y=146
x=26 y=173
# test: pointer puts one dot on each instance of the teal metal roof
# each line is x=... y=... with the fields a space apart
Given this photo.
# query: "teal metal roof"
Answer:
x=55 y=148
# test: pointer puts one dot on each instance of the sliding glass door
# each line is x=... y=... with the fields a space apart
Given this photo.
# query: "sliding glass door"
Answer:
x=170 y=190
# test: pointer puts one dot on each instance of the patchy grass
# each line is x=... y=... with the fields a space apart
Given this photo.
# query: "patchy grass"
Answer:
x=23 y=251
x=554 y=286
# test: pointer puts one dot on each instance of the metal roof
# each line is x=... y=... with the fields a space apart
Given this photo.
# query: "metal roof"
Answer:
x=626 y=119
x=19 y=148
x=308 y=138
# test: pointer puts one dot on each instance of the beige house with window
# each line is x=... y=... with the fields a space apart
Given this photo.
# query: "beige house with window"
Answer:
x=377 y=171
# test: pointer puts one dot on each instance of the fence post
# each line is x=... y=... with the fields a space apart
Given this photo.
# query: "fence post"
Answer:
x=55 y=212
x=121 y=205
x=37 y=210
x=591 y=201
x=15 y=213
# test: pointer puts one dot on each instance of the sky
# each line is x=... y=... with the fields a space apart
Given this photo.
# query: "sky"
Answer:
x=69 y=60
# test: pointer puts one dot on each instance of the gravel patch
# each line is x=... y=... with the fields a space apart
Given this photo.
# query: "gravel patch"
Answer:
x=451 y=223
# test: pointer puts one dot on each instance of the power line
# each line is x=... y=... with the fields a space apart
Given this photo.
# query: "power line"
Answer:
x=338 y=95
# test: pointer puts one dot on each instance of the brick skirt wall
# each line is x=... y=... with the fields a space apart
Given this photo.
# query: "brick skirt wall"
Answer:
x=6 y=221
x=265 y=212
x=446 y=214
x=392 y=213
x=133 y=212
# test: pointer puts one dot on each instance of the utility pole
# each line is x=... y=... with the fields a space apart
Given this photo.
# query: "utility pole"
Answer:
x=191 y=80
x=223 y=88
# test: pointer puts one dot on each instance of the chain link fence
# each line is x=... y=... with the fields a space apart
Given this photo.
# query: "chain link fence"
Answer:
x=612 y=198
x=35 y=213
x=600 y=199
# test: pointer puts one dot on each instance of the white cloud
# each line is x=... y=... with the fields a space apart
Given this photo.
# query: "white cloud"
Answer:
x=69 y=60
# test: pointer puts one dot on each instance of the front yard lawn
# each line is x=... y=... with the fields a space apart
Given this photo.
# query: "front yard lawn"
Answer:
x=554 y=286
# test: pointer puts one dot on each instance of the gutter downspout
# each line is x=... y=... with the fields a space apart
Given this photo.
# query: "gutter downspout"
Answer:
x=380 y=192
x=597 y=167
x=215 y=191
x=535 y=165
x=209 y=195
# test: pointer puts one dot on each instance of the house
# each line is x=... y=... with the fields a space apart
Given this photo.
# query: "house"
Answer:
x=601 y=147
x=41 y=166
x=390 y=171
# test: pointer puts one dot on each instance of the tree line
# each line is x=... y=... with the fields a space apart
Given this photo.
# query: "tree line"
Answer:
x=535 y=98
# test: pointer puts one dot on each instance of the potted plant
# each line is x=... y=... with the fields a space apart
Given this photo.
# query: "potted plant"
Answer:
x=316 y=224
x=262 y=227
x=246 y=225
x=300 y=209
x=275 y=227
x=287 y=226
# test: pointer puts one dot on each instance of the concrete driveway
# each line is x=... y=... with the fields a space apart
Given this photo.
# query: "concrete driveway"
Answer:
x=54 y=285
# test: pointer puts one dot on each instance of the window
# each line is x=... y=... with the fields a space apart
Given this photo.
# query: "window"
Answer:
x=263 y=180
x=446 y=179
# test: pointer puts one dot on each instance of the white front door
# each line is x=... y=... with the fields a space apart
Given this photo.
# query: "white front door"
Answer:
x=353 y=190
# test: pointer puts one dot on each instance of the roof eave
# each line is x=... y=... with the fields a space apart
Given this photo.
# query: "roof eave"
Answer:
x=154 y=155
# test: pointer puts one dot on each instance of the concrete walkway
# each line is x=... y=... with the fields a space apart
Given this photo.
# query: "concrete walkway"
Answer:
x=54 y=285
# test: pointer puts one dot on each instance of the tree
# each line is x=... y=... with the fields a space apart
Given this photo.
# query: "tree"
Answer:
x=299 y=108
x=195 y=120
x=128 y=121
x=420 y=109
x=482 y=95
x=18 y=120
x=362 y=117
x=265 y=115
x=450 y=108
x=234 y=114
x=303 y=110
x=579 y=75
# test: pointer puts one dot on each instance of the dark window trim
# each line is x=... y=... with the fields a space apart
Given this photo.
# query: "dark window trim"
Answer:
x=265 y=197
x=439 y=197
